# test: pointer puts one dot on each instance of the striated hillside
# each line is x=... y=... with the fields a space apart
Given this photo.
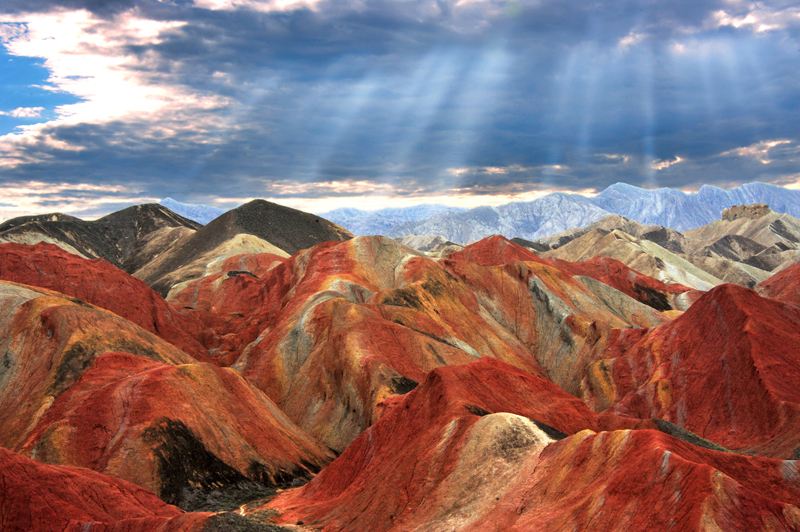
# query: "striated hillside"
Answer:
x=458 y=453
x=296 y=377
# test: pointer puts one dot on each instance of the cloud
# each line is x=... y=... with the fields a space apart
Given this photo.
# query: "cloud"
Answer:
x=90 y=58
x=265 y=6
x=760 y=151
x=82 y=199
x=422 y=98
x=663 y=164
x=757 y=17
x=623 y=158
x=23 y=112
x=631 y=39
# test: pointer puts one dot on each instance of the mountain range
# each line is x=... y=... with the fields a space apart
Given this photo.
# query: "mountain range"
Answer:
x=548 y=215
x=271 y=371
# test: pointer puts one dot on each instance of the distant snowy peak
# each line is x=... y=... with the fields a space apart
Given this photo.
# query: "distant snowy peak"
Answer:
x=386 y=221
x=194 y=211
x=548 y=215
x=679 y=210
x=559 y=212
x=528 y=220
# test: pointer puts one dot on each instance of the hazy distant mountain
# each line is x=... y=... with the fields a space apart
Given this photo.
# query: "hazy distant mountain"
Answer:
x=550 y=214
x=547 y=215
x=386 y=221
x=678 y=210
x=560 y=212
x=194 y=211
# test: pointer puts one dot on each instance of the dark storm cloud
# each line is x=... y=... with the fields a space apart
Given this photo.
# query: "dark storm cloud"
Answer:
x=569 y=95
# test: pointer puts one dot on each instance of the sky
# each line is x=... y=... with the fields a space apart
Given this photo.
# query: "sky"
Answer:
x=321 y=104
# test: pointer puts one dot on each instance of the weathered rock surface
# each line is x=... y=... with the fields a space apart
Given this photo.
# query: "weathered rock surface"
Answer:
x=82 y=386
x=667 y=255
x=185 y=432
x=753 y=211
x=727 y=370
x=455 y=454
x=343 y=325
x=763 y=227
x=100 y=283
x=492 y=387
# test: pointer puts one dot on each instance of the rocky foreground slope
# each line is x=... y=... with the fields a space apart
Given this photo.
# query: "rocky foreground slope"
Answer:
x=358 y=384
x=455 y=454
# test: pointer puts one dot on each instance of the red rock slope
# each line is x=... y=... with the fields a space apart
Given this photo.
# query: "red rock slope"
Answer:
x=232 y=303
x=728 y=369
x=152 y=414
x=497 y=250
x=36 y=496
x=783 y=286
x=488 y=447
x=102 y=284
x=167 y=428
x=651 y=292
x=336 y=329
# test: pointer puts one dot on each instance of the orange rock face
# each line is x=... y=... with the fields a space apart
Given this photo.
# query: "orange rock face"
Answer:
x=333 y=331
x=47 y=341
x=167 y=427
x=152 y=415
x=727 y=369
x=651 y=292
x=458 y=453
x=37 y=496
x=100 y=283
x=783 y=286
x=233 y=304
x=489 y=390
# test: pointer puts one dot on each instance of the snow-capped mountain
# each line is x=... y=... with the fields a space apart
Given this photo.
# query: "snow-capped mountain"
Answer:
x=547 y=215
x=559 y=212
x=528 y=220
x=682 y=211
x=386 y=221
x=194 y=211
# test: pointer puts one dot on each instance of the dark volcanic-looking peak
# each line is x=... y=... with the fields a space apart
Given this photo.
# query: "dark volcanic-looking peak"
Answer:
x=284 y=228
x=119 y=237
x=287 y=228
x=50 y=217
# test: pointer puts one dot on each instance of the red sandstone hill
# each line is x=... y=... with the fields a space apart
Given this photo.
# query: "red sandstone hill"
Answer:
x=38 y=496
x=488 y=447
x=497 y=250
x=232 y=303
x=102 y=284
x=349 y=323
x=651 y=292
x=443 y=382
x=728 y=369
x=783 y=286
x=151 y=414
x=168 y=428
